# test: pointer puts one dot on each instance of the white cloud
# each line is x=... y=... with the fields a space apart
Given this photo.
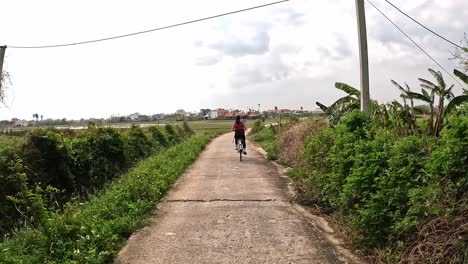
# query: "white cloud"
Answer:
x=290 y=54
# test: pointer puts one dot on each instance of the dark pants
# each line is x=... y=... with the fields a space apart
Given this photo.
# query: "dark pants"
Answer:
x=241 y=137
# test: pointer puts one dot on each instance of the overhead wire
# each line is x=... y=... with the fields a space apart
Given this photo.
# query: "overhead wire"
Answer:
x=146 y=31
x=425 y=27
x=416 y=44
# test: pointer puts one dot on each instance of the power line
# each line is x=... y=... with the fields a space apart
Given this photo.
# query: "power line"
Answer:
x=416 y=44
x=428 y=29
x=149 y=30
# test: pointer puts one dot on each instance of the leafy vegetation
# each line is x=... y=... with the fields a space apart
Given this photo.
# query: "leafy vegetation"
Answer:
x=403 y=117
x=396 y=183
x=266 y=138
x=94 y=231
x=48 y=169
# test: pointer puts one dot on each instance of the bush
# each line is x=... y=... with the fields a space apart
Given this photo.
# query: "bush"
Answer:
x=257 y=126
x=98 y=155
x=48 y=160
x=48 y=169
x=186 y=130
x=173 y=136
x=93 y=232
x=137 y=144
x=13 y=180
x=405 y=196
x=158 y=136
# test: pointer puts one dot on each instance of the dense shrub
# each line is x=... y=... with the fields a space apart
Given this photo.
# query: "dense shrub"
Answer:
x=12 y=181
x=93 y=232
x=98 y=155
x=47 y=160
x=158 y=136
x=173 y=136
x=186 y=130
x=50 y=167
x=402 y=196
x=257 y=126
x=137 y=144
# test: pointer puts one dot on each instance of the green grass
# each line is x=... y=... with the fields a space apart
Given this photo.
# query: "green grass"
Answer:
x=217 y=126
x=10 y=140
x=95 y=231
x=199 y=126
x=266 y=138
x=211 y=126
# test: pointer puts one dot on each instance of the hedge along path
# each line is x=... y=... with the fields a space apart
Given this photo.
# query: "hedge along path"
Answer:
x=94 y=232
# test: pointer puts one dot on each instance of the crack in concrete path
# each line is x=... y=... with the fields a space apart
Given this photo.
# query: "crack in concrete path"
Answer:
x=226 y=200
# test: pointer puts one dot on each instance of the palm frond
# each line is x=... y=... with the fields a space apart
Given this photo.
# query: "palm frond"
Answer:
x=461 y=75
x=408 y=89
x=396 y=103
x=439 y=77
x=322 y=107
x=419 y=96
x=342 y=103
x=425 y=93
x=428 y=87
x=348 y=89
x=448 y=93
x=428 y=83
x=398 y=86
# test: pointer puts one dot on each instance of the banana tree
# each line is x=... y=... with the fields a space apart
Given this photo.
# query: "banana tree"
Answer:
x=436 y=94
x=462 y=77
x=344 y=105
x=406 y=94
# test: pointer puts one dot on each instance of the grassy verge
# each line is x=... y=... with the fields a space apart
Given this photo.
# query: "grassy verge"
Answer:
x=266 y=137
x=10 y=140
x=93 y=232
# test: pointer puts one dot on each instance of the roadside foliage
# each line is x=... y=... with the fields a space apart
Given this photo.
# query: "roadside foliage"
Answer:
x=48 y=169
x=396 y=182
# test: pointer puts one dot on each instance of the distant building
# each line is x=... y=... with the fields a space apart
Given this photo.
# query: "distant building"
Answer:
x=222 y=113
x=19 y=123
x=254 y=115
x=134 y=116
x=213 y=114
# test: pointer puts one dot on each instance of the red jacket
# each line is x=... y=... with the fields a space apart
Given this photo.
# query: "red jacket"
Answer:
x=239 y=128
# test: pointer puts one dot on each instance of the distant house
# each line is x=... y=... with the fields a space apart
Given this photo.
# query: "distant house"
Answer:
x=134 y=116
x=230 y=115
x=213 y=114
x=20 y=123
x=222 y=113
x=254 y=115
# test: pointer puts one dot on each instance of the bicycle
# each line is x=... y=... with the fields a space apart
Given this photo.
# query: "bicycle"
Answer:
x=240 y=148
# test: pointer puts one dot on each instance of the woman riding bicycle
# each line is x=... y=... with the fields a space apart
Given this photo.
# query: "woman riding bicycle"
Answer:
x=239 y=132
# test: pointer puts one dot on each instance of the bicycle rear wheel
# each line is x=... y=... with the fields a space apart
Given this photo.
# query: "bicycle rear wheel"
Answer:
x=240 y=147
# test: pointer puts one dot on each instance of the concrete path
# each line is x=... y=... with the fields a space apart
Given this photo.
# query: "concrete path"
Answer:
x=224 y=211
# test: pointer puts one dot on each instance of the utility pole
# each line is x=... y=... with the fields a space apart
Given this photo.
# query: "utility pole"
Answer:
x=363 y=55
x=2 y=56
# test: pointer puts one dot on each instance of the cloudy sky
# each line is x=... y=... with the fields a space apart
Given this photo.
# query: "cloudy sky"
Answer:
x=288 y=55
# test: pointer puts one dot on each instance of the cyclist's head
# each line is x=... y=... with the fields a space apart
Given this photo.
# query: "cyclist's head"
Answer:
x=238 y=118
